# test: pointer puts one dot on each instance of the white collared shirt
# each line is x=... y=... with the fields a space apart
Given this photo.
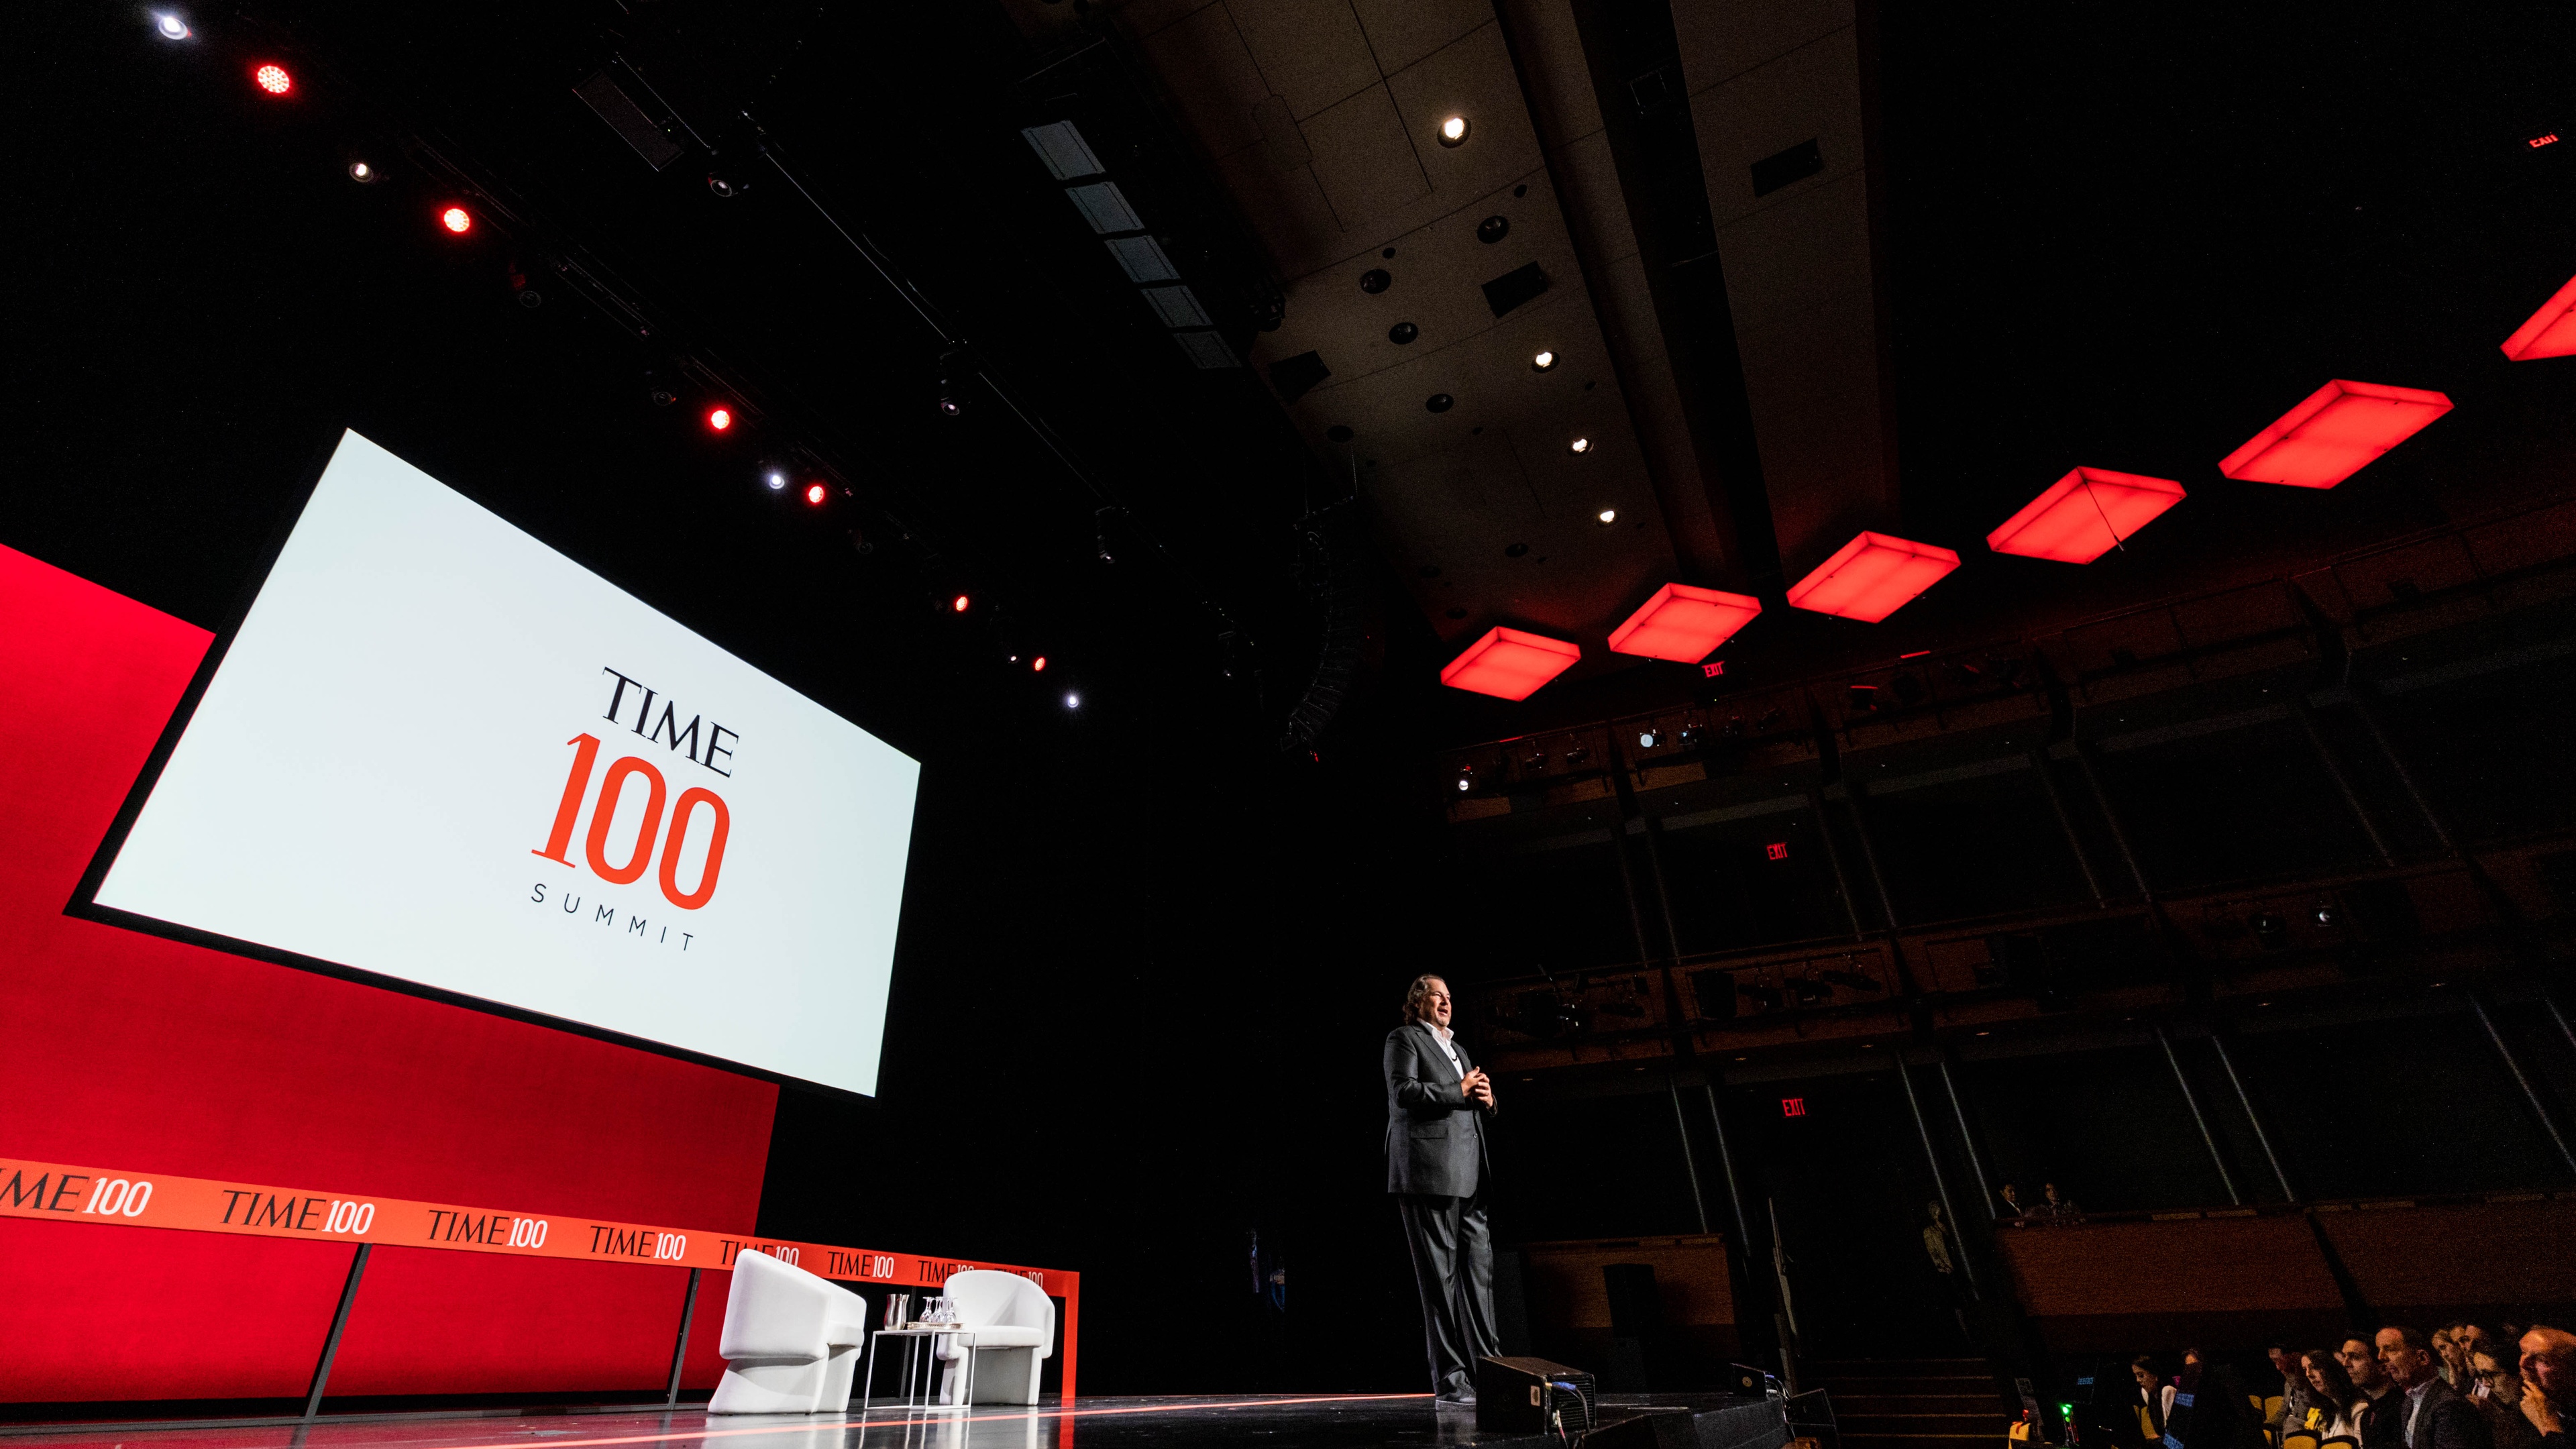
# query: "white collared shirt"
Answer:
x=2417 y=1395
x=1441 y=1035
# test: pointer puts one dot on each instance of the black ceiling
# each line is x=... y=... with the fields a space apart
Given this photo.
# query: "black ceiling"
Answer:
x=2117 y=239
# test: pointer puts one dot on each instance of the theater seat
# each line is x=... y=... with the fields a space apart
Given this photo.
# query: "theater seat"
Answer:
x=791 y=1341
x=1014 y=1326
x=2299 y=1439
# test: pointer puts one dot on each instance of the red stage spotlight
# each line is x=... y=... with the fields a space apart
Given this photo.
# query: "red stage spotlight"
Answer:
x=959 y=604
x=1683 y=624
x=2551 y=332
x=815 y=493
x=719 y=418
x=2084 y=515
x=457 y=220
x=272 y=78
x=2340 y=429
x=1509 y=664
x=1872 y=577
x=1038 y=665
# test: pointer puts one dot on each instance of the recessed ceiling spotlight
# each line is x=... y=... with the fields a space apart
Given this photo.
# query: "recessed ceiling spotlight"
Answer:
x=1453 y=131
x=272 y=78
x=1038 y=665
x=1545 y=360
x=457 y=220
x=1579 y=445
x=960 y=604
x=719 y=418
x=777 y=480
x=1072 y=700
x=361 y=172
x=171 y=26
x=815 y=493
x=1608 y=516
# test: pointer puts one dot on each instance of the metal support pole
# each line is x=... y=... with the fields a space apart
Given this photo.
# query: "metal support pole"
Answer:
x=1726 y=1161
x=2564 y=1028
x=339 y=1325
x=2362 y=706
x=1869 y=851
x=1690 y=1162
x=2245 y=1100
x=1628 y=889
x=2111 y=817
x=2066 y=823
x=1834 y=857
x=1940 y=1180
x=2200 y=1119
x=1976 y=1163
x=1654 y=833
x=2522 y=1079
x=2307 y=719
x=680 y=1350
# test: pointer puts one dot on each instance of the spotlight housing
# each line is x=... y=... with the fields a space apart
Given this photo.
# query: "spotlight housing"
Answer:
x=361 y=173
x=271 y=77
x=815 y=493
x=777 y=481
x=1453 y=131
x=456 y=219
x=1579 y=446
x=960 y=604
x=1545 y=359
x=719 y=418
x=170 y=26
x=1038 y=665
x=1608 y=516
x=1072 y=700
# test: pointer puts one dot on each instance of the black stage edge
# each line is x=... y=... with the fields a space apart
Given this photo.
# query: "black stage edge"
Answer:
x=1288 y=1421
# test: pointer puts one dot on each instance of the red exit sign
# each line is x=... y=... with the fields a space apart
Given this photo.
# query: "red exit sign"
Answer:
x=1793 y=1106
x=1776 y=850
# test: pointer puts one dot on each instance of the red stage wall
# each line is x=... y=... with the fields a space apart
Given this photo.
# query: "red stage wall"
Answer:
x=130 y=1049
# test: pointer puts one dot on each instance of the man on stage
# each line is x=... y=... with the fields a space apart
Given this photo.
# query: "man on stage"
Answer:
x=1437 y=1167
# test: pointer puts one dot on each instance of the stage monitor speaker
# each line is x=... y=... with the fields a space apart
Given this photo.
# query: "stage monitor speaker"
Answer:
x=1533 y=1396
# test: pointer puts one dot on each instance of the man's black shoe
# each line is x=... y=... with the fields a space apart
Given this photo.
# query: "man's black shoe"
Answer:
x=1464 y=1398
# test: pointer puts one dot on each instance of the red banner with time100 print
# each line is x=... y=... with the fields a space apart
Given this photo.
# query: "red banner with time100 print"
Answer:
x=120 y=1197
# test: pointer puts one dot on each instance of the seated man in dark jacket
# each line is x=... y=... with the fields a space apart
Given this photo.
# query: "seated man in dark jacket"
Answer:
x=2430 y=1414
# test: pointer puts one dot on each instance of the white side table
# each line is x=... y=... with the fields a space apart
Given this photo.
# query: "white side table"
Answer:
x=918 y=1337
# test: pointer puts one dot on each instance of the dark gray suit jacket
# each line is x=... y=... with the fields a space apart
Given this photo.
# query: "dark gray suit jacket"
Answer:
x=1435 y=1136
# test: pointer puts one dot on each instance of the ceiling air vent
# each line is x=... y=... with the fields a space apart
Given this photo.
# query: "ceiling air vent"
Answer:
x=1513 y=288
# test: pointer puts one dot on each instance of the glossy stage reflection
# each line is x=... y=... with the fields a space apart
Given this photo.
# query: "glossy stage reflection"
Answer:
x=1319 y=1421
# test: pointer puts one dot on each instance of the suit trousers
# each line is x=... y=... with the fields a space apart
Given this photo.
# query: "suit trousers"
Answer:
x=1453 y=1269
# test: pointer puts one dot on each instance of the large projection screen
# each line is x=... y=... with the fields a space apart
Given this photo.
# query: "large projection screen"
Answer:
x=439 y=752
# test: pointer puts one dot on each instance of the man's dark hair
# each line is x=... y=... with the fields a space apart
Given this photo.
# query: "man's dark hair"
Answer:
x=1418 y=993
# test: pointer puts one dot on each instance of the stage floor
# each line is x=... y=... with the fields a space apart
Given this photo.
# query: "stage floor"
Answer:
x=1283 y=1421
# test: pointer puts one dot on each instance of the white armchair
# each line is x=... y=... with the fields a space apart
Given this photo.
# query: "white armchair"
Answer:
x=791 y=1341
x=1014 y=1329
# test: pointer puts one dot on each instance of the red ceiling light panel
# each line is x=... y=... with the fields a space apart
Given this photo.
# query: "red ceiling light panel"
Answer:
x=1683 y=624
x=1509 y=664
x=2342 y=428
x=2551 y=332
x=1872 y=577
x=2084 y=515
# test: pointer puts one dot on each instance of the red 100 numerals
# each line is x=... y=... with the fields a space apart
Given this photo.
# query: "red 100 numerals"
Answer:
x=595 y=848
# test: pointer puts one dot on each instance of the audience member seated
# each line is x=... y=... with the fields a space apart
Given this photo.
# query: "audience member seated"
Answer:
x=2361 y=1364
x=2056 y=1209
x=2549 y=1383
x=2294 y=1395
x=2428 y=1415
x=2334 y=1403
x=2012 y=1210
x=2497 y=1392
x=2155 y=1399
